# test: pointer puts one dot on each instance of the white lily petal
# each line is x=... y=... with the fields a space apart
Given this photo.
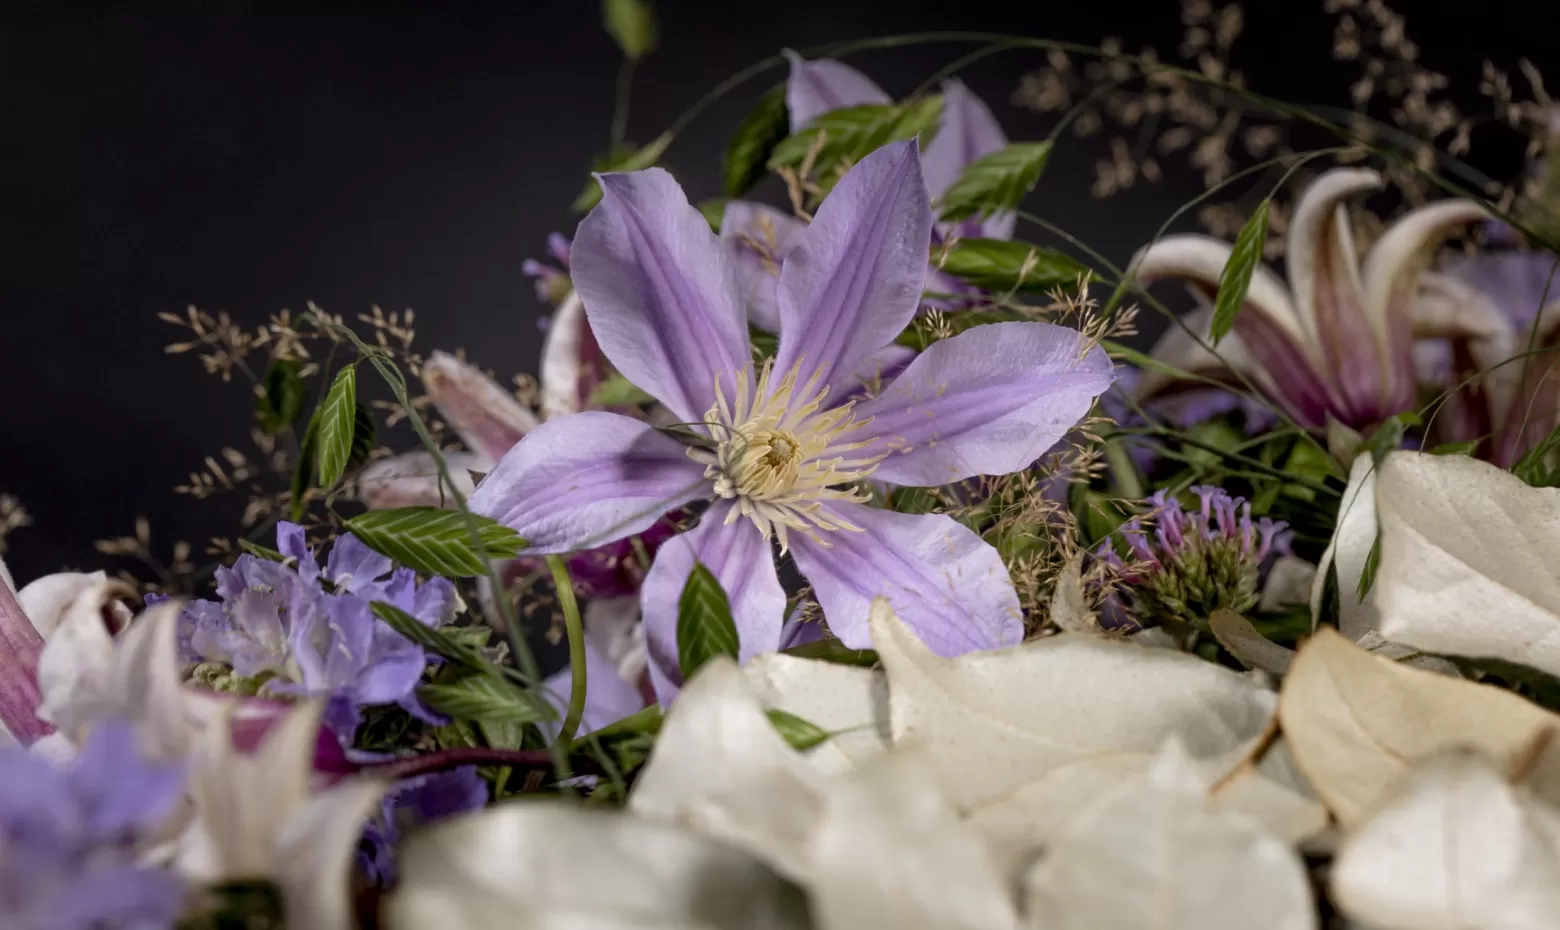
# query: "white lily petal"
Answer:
x=145 y=684
x=1450 y=309
x=1403 y=252
x=561 y=368
x=1348 y=552
x=1150 y=854
x=848 y=701
x=612 y=624
x=720 y=767
x=46 y=600
x=556 y=864
x=1457 y=848
x=891 y=852
x=1356 y=722
x=1201 y=259
x=1470 y=560
x=73 y=671
x=487 y=417
x=412 y=479
x=1320 y=224
x=314 y=851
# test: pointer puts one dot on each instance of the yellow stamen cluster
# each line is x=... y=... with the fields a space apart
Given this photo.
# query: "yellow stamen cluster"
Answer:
x=780 y=456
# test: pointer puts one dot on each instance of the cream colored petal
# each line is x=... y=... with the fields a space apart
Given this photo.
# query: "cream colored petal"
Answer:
x=315 y=854
x=1069 y=608
x=1457 y=847
x=531 y=862
x=1243 y=641
x=1152 y=855
x=488 y=418
x=561 y=368
x=1349 y=551
x=848 y=701
x=145 y=684
x=1201 y=259
x=1404 y=250
x=1448 y=308
x=1470 y=560
x=891 y=852
x=1356 y=722
x=612 y=625
x=73 y=670
x=412 y=480
x=46 y=600
x=1319 y=224
x=720 y=767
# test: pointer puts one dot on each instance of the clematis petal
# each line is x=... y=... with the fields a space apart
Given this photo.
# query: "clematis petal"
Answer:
x=944 y=581
x=608 y=698
x=854 y=279
x=572 y=364
x=1468 y=556
x=660 y=293
x=588 y=479
x=740 y=558
x=487 y=417
x=760 y=237
x=968 y=132
x=412 y=479
x=988 y=401
x=822 y=84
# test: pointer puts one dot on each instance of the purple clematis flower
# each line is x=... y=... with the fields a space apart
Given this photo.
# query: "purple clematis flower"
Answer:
x=552 y=281
x=782 y=452
x=1338 y=340
x=760 y=236
x=281 y=623
x=70 y=838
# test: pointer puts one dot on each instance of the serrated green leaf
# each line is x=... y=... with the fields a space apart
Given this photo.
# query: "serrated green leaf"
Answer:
x=436 y=541
x=364 y=433
x=338 y=419
x=832 y=650
x=713 y=210
x=704 y=625
x=628 y=158
x=923 y=333
x=436 y=641
x=475 y=636
x=765 y=127
x=282 y=396
x=631 y=23
x=850 y=134
x=997 y=182
x=483 y=699
x=801 y=734
x=303 y=470
x=1235 y=280
x=618 y=391
x=1010 y=265
x=255 y=549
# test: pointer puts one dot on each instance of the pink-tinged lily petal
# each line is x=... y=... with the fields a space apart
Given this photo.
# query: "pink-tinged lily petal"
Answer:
x=487 y=417
x=20 y=647
x=608 y=698
x=760 y=237
x=588 y=479
x=853 y=282
x=1464 y=334
x=988 y=401
x=815 y=87
x=412 y=480
x=742 y=561
x=968 y=132
x=943 y=580
x=660 y=293
x=572 y=363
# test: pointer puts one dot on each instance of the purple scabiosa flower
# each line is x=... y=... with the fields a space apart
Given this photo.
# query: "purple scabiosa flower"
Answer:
x=297 y=629
x=1336 y=340
x=1195 y=562
x=410 y=804
x=552 y=281
x=780 y=453
x=70 y=837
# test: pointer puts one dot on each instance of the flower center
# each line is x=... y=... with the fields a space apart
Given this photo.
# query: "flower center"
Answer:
x=781 y=457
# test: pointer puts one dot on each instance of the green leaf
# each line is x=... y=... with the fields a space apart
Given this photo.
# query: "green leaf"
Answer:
x=923 y=333
x=713 y=210
x=997 y=182
x=1388 y=437
x=915 y=500
x=632 y=24
x=1534 y=466
x=281 y=399
x=1236 y=277
x=338 y=418
x=801 y=734
x=1368 y=573
x=438 y=642
x=765 y=345
x=1456 y=448
x=850 y=134
x=832 y=650
x=485 y=699
x=618 y=391
x=628 y=158
x=1009 y=265
x=255 y=549
x=303 y=470
x=475 y=636
x=364 y=433
x=1144 y=361
x=436 y=541
x=704 y=625
x=765 y=127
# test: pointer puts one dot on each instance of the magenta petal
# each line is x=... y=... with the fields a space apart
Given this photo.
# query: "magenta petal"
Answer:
x=587 y=479
x=815 y=87
x=608 y=698
x=660 y=292
x=988 y=401
x=943 y=581
x=1299 y=388
x=20 y=647
x=759 y=237
x=741 y=560
x=853 y=281
x=968 y=132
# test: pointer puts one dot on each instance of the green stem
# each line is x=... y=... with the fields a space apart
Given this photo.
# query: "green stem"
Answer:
x=625 y=90
x=1123 y=470
x=576 y=632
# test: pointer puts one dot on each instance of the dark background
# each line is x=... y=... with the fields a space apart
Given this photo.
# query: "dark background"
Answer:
x=249 y=157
